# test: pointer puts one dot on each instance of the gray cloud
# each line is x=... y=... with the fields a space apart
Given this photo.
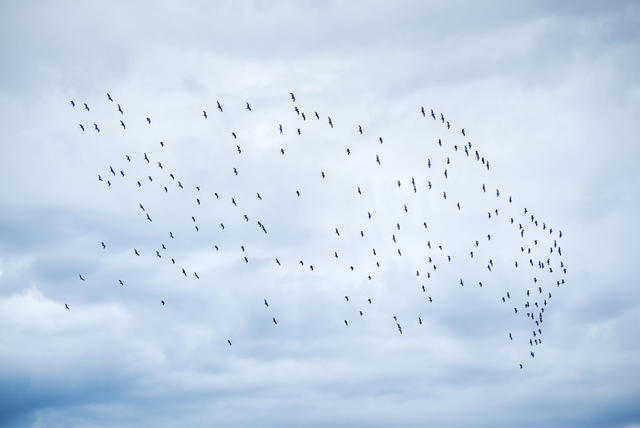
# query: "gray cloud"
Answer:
x=548 y=92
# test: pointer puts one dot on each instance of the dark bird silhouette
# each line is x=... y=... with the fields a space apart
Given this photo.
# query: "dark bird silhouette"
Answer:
x=149 y=120
x=234 y=135
x=360 y=129
x=204 y=113
x=66 y=306
x=95 y=125
x=120 y=109
x=274 y=320
x=73 y=104
x=330 y=122
x=229 y=342
x=293 y=97
x=219 y=106
x=103 y=245
x=248 y=107
x=109 y=97
x=81 y=127
x=86 y=107
x=81 y=277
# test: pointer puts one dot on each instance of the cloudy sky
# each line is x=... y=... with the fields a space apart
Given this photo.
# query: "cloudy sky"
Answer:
x=547 y=92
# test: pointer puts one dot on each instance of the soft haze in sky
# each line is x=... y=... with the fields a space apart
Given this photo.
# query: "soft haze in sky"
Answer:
x=547 y=91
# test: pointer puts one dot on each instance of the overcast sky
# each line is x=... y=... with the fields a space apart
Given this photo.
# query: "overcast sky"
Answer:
x=547 y=92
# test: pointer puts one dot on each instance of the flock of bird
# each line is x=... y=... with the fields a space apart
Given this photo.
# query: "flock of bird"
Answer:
x=539 y=243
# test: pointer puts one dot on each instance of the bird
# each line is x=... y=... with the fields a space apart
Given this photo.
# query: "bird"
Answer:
x=120 y=109
x=103 y=245
x=204 y=113
x=229 y=342
x=66 y=306
x=218 y=105
x=248 y=107
x=274 y=320
x=109 y=97
x=136 y=252
x=162 y=301
x=86 y=107
x=293 y=97
x=95 y=125
x=82 y=127
x=81 y=277
x=73 y=103
x=265 y=302
x=149 y=120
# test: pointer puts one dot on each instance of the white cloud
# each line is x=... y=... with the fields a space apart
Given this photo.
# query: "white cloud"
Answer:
x=546 y=92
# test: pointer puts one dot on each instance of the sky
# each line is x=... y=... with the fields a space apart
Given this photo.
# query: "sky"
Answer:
x=547 y=92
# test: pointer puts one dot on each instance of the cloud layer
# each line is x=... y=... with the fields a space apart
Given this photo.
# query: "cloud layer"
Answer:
x=547 y=92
